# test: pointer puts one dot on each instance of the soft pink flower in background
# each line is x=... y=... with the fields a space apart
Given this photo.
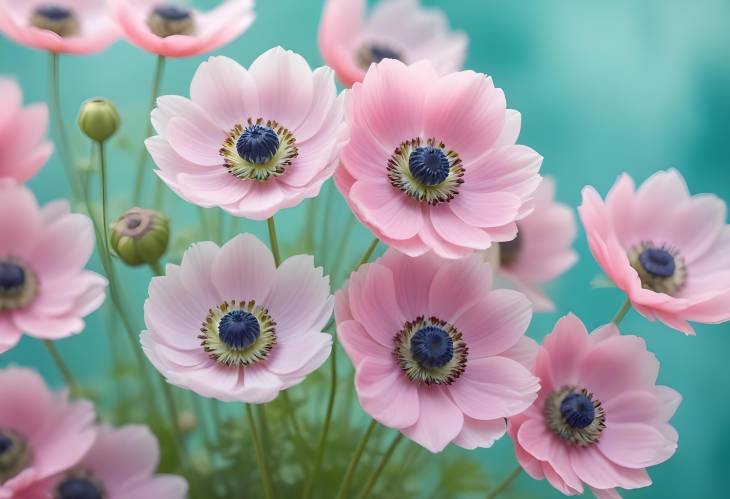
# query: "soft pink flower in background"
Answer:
x=543 y=248
x=250 y=141
x=228 y=324
x=396 y=29
x=41 y=432
x=667 y=250
x=176 y=31
x=44 y=290
x=600 y=418
x=438 y=354
x=60 y=26
x=23 y=148
x=432 y=163
x=120 y=465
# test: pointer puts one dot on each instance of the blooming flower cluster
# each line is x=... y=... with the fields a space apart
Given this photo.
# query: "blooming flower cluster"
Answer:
x=426 y=157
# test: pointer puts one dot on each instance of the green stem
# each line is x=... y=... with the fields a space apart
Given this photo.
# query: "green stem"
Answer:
x=325 y=427
x=274 y=240
x=176 y=434
x=142 y=158
x=329 y=201
x=505 y=483
x=622 y=312
x=296 y=426
x=265 y=436
x=64 y=147
x=157 y=268
x=368 y=254
x=379 y=470
x=260 y=457
x=341 y=246
x=63 y=368
x=350 y=473
x=104 y=198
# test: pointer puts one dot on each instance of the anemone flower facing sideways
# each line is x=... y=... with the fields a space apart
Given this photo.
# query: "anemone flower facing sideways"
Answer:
x=396 y=29
x=23 y=148
x=120 y=464
x=44 y=289
x=432 y=163
x=600 y=419
x=227 y=323
x=172 y=30
x=59 y=26
x=41 y=433
x=437 y=353
x=667 y=250
x=250 y=141
x=542 y=250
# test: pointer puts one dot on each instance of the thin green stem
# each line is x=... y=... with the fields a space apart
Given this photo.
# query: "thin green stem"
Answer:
x=368 y=253
x=345 y=233
x=325 y=427
x=505 y=483
x=296 y=426
x=63 y=368
x=64 y=146
x=274 y=240
x=350 y=473
x=175 y=416
x=379 y=470
x=260 y=457
x=265 y=436
x=142 y=158
x=328 y=209
x=157 y=268
x=622 y=312
x=104 y=198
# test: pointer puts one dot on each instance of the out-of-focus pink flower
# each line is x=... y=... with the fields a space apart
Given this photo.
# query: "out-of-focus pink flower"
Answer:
x=120 y=465
x=172 y=30
x=228 y=324
x=542 y=250
x=23 y=148
x=432 y=163
x=667 y=250
x=250 y=141
x=438 y=354
x=59 y=26
x=600 y=419
x=44 y=290
x=396 y=29
x=41 y=432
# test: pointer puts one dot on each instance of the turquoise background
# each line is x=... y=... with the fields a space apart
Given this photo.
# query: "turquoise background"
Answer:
x=603 y=87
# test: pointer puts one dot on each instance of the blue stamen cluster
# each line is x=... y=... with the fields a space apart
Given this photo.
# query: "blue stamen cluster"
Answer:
x=53 y=12
x=6 y=443
x=577 y=410
x=78 y=488
x=172 y=13
x=379 y=52
x=257 y=144
x=12 y=276
x=239 y=329
x=658 y=262
x=432 y=347
x=429 y=165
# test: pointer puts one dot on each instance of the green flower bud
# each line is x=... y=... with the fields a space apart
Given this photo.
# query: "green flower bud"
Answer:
x=99 y=119
x=140 y=237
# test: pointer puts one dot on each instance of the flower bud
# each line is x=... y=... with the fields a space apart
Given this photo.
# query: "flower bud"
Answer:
x=140 y=237
x=99 y=119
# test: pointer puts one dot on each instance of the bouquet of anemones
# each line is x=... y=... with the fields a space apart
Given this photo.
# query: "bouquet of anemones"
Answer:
x=242 y=373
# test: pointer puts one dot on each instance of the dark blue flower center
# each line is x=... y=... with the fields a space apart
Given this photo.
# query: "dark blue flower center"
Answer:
x=432 y=347
x=658 y=262
x=78 y=488
x=6 y=443
x=172 y=13
x=257 y=144
x=577 y=410
x=53 y=12
x=12 y=276
x=239 y=329
x=380 y=52
x=429 y=165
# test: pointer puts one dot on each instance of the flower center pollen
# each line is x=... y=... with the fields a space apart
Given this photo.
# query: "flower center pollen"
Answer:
x=257 y=144
x=78 y=488
x=167 y=20
x=575 y=416
x=429 y=165
x=15 y=455
x=239 y=329
x=57 y=18
x=374 y=53
x=18 y=285
x=432 y=347
x=660 y=268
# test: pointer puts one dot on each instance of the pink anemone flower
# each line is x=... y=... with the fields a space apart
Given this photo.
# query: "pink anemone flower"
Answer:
x=172 y=30
x=44 y=289
x=543 y=248
x=432 y=163
x=41 y=432
x=59 y=26
x=667 y=250
x=250 y=141
x=396 y=29
x=23 y=148
x=227 y=323
x=120 y=465
x=600 y=419
x=438 y=354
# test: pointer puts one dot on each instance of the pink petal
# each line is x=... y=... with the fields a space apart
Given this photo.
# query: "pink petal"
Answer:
x=386 y=394
x=393 y=212
x=480 y=434
x=439 y=421
x=244 y=270
x=457 y=286
x=291 y=354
